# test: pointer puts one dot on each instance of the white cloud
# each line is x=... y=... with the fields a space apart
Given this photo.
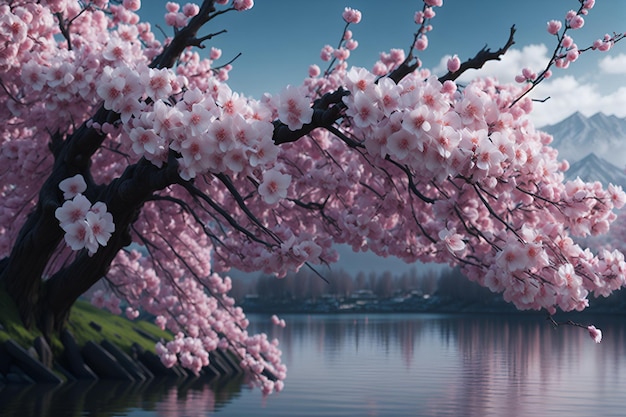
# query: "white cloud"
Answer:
x=567 y=94
x=534 y=57
x=613 y=64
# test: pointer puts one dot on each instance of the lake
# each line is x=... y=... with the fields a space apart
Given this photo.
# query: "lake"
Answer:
x=386 y=365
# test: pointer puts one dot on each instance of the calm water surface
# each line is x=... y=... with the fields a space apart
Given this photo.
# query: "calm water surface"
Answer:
x=386 y=365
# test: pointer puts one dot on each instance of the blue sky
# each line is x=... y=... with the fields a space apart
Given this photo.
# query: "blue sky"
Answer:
x=278 y=40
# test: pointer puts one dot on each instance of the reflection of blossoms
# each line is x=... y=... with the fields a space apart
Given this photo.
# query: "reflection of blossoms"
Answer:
x=85 y=226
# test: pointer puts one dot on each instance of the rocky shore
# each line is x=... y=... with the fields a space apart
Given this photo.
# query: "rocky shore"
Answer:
x=97 y=361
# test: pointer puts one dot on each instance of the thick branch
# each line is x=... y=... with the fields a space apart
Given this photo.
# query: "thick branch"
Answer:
x=404 y=69
x=412 y=186
x=124 y=198
x=185 y=37
x=326 y=110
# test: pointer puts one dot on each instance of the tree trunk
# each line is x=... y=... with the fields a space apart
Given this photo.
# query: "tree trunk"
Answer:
x=35 y=244
x=46 y=303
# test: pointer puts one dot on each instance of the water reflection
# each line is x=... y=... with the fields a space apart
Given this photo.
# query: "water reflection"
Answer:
x=387 y=365
x=163 y=397
x=463 y=365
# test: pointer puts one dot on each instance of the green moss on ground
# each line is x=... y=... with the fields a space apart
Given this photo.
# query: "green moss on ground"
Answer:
x=116 y=329
x=12 y=327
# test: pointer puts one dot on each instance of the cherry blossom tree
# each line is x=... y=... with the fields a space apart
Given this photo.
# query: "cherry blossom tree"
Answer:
x=130 y=159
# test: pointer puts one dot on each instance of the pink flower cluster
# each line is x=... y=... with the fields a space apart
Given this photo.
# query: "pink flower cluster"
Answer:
x=177 y=18
x=433 y=173
x=86 y=226
x=351 y=15
x=423 y=18
x=469 y=136
x=109 y=301
x=205 y=319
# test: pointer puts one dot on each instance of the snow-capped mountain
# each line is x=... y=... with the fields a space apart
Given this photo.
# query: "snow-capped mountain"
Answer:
x=578 y=136
x=593 y=168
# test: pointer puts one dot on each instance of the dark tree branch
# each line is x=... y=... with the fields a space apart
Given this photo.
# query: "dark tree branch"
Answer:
x=242 y=205
x=412 y=186
x=197 y=194
x=198 y=41
x=411 y=62
x=326 y=110
x=404 y=69
x=64 y=30
x=483 y=56
x=348 y=141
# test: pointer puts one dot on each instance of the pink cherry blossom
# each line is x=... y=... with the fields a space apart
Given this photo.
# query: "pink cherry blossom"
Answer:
x=110 y=90
x=198 y=119
x=278 y=321
x=327 y=53
x=422 y=43
x=572 y=55
x=172 y=7
x=131 y=313
x=242 y=5
x=417 y=120
x=215 y=53
x=133 y=5
x=595 y=334
x=73 y=211
x=101 y=225
x=351 y=44
x=73 y=186
x=359 y=79
x=363 y=109
x=554 y=26
x=190 y=10
x=78 y=235
x=351 y=15
x=388 y=96
x=454 y=64
x=454 y=241
x=567 y=41
x=402 y=142
x=429 y=13
x=576 y=22
x=274 y=186
x=145 y=141
x=293 y=108
x=341 y=54
x=157 y=82
x=314 y=71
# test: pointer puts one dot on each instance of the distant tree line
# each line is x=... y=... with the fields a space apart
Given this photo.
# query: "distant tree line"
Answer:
x=306 y=284
x=446 y=283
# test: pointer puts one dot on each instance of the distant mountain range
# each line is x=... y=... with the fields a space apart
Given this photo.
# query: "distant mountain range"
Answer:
x=594 y=168
x=578 y=136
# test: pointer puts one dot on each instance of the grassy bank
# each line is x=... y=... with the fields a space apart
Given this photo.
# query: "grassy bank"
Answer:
x=117 y=329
